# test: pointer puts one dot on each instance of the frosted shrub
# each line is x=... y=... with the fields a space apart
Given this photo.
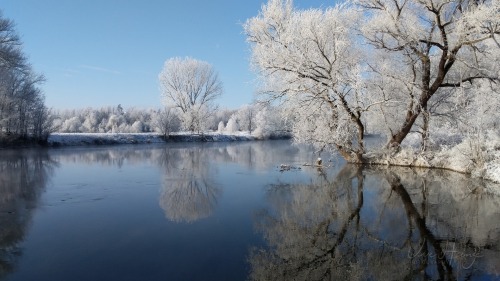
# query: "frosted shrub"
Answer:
x=232 y=125
x=137 y=127
x=220 y=127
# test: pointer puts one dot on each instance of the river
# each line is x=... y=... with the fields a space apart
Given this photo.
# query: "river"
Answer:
x=230 y=211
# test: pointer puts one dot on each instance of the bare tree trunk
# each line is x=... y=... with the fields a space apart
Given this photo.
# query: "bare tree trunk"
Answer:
x=428 y=89
x=425 y=129
x=361 y=137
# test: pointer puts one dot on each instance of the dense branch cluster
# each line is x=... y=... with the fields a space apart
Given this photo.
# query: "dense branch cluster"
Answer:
x=22 y=109
x=191 y=86
x=393 y=67
x=307 y=61
x=335 y=227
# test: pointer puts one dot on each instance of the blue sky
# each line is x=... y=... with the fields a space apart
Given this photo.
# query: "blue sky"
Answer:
x=107 y=52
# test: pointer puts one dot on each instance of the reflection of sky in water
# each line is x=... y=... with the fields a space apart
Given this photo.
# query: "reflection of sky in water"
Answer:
x=108 y=213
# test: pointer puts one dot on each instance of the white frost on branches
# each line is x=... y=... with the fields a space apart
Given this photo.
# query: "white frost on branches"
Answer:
x=192 y=86
x=307 y=61
x=394 y=67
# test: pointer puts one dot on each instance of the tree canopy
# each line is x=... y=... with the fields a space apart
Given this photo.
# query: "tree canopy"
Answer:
x=385 y=65
x=22 y=104
x=191 y=86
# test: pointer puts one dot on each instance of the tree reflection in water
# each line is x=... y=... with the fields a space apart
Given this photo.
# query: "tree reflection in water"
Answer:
x=23 y=177
x=189 y=191
x=394 y=224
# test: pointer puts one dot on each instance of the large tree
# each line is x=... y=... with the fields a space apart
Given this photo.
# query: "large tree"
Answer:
x=192 y=86
x=371 y=62
x=427 y=48
x=306 y=60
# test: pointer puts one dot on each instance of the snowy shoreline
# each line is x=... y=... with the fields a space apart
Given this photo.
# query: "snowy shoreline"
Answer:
x=82 y=139
x=449 y=160
x=452 y=160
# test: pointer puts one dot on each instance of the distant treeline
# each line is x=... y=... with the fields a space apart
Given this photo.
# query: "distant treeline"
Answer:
x=259 y=120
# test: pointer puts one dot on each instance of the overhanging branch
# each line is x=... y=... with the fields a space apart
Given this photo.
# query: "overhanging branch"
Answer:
x=469 y=79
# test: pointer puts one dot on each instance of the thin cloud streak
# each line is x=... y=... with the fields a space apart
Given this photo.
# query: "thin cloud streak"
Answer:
x=100 y=69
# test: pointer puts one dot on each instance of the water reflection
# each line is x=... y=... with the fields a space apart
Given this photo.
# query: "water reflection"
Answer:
x=252 y=155
x=23 y=177
x=396 y=224
x=345 y=222
x=189 y=191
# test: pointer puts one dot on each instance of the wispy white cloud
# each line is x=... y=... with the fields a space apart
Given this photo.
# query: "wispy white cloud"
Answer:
x=68 y=72
x=100 y=69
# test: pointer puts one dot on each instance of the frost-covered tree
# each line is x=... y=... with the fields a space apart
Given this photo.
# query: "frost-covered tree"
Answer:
x=198 y=119
x=271 y=122
x=92 y=120
x=422 y=50
x=309 y=61
x=166 y=121
x=388 y=64
x=246 y=117
x=115 y=122
x=44 y=122
x=21 y=100
x=192 y=86
x=71 y=125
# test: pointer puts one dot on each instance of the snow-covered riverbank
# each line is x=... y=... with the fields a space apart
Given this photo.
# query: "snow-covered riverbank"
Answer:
x=79 y=139
x=458 y=158
x=480 y=161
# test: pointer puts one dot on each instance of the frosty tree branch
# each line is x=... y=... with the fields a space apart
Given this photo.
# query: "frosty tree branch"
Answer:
x=192 y=86
x=333 y=85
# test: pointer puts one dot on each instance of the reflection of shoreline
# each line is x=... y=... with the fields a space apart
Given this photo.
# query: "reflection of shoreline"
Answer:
x=253 y=155
x=189 y=191
x=24 y=175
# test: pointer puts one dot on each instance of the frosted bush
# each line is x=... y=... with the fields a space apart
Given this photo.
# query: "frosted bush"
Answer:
x=137 y=127
x=232 y=125
x=220 y=127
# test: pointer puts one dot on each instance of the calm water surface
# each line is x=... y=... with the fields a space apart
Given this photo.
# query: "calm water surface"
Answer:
x=226 y=211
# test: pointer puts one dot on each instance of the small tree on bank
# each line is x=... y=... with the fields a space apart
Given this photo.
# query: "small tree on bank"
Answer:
x=166 y=121
x=192 y=86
